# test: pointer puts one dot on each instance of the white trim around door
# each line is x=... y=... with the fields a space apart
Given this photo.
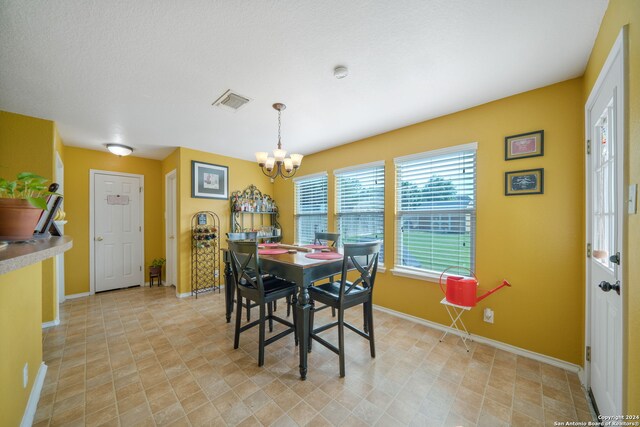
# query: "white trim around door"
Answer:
x=92 y=173
x=171 y=229
x=59 y=259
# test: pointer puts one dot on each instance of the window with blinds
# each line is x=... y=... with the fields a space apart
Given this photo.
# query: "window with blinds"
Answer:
x=360 y=204
x=436 y=210
x=310 y=207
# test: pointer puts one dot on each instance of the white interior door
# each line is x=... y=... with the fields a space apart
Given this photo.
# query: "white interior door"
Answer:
x=605 y=289
x=171 y=230
x=117 y=232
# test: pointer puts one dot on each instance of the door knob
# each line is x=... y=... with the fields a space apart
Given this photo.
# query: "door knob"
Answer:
x=99 y=238
x=606 y=286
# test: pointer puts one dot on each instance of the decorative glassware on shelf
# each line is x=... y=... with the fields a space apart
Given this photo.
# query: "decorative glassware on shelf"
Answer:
x=265 y=231
x=253 y=211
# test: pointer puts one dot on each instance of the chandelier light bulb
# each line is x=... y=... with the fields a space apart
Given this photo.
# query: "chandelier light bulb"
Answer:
x=296 y=160
x=261 y=157
x=269 y=163
x=279 y=154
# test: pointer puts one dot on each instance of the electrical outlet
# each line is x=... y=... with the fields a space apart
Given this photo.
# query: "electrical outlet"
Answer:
x=25 y=375
x=488 y=315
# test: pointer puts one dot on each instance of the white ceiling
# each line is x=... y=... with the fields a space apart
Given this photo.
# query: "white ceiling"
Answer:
x=144 y=73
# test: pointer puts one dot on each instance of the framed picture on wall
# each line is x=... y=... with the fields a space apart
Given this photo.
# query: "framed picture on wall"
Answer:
x=209 y=181
x=523 y=182
x=524 y=145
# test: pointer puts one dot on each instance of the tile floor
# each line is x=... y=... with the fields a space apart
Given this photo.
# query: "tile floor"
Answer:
x=142 y=357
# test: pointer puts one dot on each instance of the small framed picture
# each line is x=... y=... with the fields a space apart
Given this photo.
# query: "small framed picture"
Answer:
x=209 y=181
x=524 y=145
x=523 y=182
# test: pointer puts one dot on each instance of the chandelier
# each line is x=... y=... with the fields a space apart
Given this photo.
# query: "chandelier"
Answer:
x=279 y=164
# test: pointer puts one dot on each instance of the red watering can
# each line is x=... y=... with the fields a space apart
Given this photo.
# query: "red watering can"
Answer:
x=462 y=290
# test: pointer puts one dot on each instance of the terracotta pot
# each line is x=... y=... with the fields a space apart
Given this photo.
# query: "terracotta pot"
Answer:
x=155 y=270
x=18 y=219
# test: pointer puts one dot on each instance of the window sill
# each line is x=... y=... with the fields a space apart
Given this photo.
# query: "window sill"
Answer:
x=381 y=268
x=418 y=275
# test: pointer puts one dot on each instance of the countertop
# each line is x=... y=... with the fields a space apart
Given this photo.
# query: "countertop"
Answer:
x=18 y=255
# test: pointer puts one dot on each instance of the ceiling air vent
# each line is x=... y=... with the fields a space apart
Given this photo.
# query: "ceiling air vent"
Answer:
x=231 y=100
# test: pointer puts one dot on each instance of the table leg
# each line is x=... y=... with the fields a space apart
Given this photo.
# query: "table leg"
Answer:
x=229 y=288
x=302 y=310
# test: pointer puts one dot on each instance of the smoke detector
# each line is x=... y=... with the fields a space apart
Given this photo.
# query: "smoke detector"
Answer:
x=340 y=72
x=231 y=100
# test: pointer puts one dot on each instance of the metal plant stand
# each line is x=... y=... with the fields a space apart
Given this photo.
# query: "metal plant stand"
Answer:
x=205 y=253
x=457 y=325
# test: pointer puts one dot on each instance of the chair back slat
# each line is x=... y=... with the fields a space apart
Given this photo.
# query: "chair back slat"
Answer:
x=329 y=239
x=364 y=257
x=244 y=264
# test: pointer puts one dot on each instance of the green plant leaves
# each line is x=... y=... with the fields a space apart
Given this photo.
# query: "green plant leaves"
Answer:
x=38 y=202
x=28 y=186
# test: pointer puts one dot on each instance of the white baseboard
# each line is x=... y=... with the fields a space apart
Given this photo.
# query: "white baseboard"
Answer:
x=34 y=397
x=81 y=295
x=50 y=324
x=188 y=294
x=488 y=341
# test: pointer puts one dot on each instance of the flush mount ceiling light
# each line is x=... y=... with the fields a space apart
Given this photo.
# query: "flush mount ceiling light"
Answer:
x=119 y=149
x=286 y=167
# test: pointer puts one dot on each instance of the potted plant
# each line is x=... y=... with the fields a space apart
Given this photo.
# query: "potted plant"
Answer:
x=156 y=266
x=21 y=204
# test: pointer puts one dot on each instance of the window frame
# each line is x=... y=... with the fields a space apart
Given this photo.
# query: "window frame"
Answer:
x=296 y=215
x=421 y=273
x=338 y=215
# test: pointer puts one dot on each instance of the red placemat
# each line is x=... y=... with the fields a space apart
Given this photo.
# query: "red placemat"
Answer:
x=316 y=246
x=324 y=255
x=268 y=245
x=272 y=251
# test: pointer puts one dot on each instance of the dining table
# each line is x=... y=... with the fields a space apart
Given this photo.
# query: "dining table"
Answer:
x=296 y=268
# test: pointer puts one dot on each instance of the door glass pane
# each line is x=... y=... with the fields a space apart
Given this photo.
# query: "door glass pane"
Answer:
x=604 y=191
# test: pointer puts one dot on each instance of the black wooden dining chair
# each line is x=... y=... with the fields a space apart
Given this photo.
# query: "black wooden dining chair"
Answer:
x=245 y=236
x=329 y=239
x=344 y=294
x=250 y=284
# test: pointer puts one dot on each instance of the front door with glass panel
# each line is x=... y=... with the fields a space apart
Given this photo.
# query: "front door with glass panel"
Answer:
x=604 y=292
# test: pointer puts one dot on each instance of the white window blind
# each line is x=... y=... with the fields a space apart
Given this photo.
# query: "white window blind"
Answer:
x=310 y=207
x=436 y=210
x=360 y=204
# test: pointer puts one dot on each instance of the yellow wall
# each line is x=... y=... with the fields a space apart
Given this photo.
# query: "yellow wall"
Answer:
x=533 y=241
x=241 y=174
x=620 y=13
x=78 y=163
x=20 y=338
x=27 y=145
